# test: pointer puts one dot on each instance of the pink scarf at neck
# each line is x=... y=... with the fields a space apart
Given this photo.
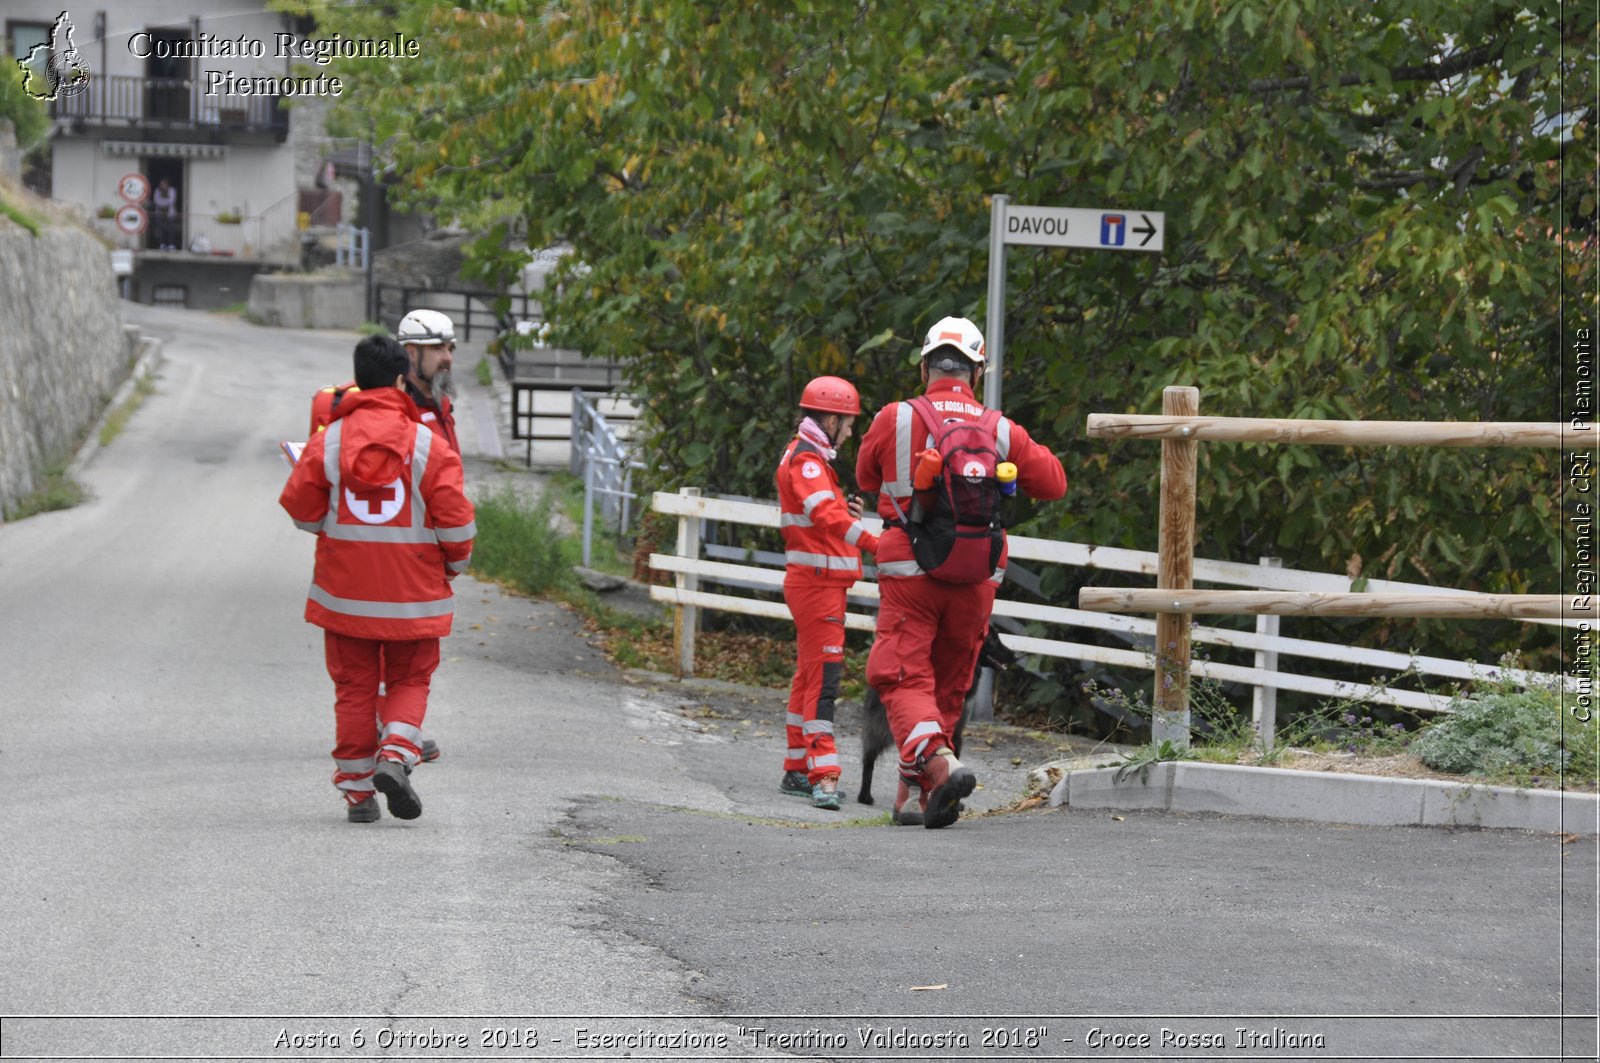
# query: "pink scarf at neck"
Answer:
x=812 y=433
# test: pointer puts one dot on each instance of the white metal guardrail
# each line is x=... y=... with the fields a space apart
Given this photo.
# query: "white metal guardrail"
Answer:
x=601 y=458
x=691 y=569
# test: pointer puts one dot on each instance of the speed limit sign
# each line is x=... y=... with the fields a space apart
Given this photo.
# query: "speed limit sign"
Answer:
x=135 y=188
x=131 y=219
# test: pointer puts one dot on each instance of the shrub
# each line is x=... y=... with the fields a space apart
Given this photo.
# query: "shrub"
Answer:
x=517 y=545
x=1504 y=732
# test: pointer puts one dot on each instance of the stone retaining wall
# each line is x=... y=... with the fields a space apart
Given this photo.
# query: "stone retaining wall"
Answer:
x=63 y=349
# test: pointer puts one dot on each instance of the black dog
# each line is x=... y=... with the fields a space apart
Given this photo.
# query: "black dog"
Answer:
x=875 y=736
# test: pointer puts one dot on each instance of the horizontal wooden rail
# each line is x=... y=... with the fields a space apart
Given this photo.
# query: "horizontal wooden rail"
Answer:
x=1447 y=606
x=1338 y=433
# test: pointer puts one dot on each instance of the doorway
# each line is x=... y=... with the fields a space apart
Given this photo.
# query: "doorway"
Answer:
x=164 y=232
x=166 y=88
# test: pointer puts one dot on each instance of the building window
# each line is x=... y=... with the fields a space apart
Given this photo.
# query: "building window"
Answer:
x=170 y=295
x=23 y=37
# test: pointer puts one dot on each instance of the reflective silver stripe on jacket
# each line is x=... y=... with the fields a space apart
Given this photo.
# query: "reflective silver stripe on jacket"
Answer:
x=381 y=610
x=899 y=568
x=459 y=566
x=815 y=499
x=800 y=557
x=464 y=533
x=1002 y=438
x=418 y=532
x=900 y=486
x=793 y=520
x=309 y=525
x=857 y=530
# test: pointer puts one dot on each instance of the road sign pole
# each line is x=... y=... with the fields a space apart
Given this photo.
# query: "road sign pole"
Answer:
x=994 y=318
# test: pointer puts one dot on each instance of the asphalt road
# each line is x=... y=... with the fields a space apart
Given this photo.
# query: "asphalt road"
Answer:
x=604 y=864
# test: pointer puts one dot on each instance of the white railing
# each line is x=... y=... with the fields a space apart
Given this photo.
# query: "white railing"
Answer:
x=601 y=458
x=691 y=508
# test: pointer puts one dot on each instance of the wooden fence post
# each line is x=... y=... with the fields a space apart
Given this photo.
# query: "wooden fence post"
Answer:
x=1264 y=705
x=685 y=618
x=1175 y=571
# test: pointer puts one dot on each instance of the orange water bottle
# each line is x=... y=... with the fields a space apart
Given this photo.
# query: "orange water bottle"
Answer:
x=926 y=470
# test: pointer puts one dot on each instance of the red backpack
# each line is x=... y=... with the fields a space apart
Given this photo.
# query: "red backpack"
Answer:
x=956 y=527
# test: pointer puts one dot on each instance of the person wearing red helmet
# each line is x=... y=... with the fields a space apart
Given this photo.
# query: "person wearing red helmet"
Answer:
x=822 y=539
x=929 y=630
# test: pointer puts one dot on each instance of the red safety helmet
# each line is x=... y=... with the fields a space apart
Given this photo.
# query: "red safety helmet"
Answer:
x=831 y=394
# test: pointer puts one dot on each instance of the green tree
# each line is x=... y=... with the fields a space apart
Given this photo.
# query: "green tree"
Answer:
x=1367 y=213
x=29 y=117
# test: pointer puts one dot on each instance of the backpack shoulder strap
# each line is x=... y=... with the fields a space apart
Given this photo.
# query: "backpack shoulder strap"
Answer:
x=930 y=416
x=804 y=446
x=991 y=421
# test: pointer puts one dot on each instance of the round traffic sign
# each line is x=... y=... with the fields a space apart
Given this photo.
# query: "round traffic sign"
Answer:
x=131 y=219
x=135 y=188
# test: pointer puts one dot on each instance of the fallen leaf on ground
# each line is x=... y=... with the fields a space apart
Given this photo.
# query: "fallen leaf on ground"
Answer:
x=925 y=988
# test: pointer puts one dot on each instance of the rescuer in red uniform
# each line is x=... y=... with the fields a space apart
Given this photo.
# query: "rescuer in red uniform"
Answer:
x=429 y=340
x=929 y=632
x=384 y=496
x=822 y=542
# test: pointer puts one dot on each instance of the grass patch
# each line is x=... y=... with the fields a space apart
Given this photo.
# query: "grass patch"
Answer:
x=237 y=309
x=55 y=490
x=20 y=216
x=372 y=328
x=485 y=374
x=143 y=388
x=517 y=545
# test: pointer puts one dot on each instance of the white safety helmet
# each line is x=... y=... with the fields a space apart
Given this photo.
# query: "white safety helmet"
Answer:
x=958 y=334
x=426 y=328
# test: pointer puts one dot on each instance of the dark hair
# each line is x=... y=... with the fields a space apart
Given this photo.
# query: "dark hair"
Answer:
x=379 y=359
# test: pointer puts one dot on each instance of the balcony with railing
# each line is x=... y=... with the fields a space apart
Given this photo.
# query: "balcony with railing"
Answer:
x=169 y=103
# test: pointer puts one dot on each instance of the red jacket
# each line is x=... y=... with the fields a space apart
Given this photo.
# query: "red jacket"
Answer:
x=884 y=465
x=438 y=415
x=820 y=537
x=393 y=525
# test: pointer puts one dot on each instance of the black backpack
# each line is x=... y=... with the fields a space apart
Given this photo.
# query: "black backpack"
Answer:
x=957 y=529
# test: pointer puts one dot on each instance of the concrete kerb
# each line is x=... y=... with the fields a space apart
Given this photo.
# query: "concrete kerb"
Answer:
x=146 y=361
x=1327 y=797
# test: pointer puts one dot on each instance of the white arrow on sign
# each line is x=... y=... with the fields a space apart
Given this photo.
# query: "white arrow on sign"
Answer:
x=1100 y=230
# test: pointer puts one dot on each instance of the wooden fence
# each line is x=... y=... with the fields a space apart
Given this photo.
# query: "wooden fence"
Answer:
x=1180 y=428
x=737 y=580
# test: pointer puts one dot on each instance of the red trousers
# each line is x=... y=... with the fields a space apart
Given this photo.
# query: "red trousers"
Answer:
x=365 y=725
x=818 y=611
x=929 y=637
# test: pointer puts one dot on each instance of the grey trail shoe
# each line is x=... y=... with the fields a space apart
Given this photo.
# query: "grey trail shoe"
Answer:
x=363 y=811
x=390 y=780
x=795 y=784
x=430 y=751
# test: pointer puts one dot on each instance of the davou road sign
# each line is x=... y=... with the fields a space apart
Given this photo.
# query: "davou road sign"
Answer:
x=1101 y=230
x=131 y=219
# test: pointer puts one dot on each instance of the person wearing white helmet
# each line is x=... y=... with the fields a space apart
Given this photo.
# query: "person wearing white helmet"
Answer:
x=932 y=621
x=429 y=337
